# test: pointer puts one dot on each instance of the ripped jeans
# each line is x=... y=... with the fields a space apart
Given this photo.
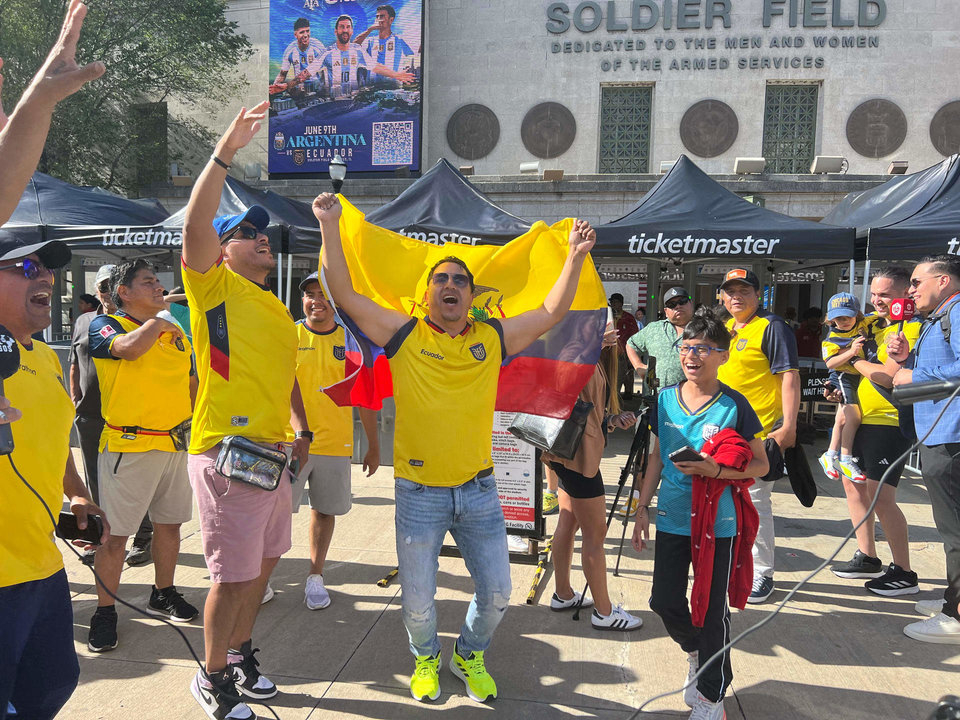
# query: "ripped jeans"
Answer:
x=471 y=513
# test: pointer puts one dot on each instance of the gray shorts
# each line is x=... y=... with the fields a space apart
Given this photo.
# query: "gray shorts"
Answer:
x=134 y=483
x=329 y=478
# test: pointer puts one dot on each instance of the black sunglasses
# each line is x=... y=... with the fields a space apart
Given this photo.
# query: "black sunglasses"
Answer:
x=244 y=231
x=674 y=304
x=461 y=281
x=31 y=269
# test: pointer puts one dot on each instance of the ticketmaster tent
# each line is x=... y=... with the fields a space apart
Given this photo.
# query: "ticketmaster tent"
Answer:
x=442 y=206
x=688 y=215
x=909 y=216
x=85 y=218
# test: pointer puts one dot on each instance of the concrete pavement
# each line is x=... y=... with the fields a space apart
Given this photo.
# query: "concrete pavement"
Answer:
x=836 y=651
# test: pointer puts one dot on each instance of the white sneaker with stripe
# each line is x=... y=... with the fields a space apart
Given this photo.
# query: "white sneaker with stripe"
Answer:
x=618 y=619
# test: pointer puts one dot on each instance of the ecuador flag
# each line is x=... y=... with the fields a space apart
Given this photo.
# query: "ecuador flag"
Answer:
x=392 y=269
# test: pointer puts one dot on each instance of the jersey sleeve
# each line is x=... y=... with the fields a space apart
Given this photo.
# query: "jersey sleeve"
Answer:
x=365 y=59
x=103 y=331
x=393 y=345
x=404 y=48
x=285 y=63
x=829 y=349
x=748 y=424
x=638 y=341
x=208 y=289
x=780 y=347
x=496 y=325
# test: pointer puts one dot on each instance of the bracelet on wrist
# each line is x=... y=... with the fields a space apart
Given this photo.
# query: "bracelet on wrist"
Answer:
x=218 y=161
x=308 y=434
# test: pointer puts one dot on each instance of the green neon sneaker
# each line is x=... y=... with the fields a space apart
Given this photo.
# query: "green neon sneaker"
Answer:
x=480 y=686
x=425 y=681
x=551 y=503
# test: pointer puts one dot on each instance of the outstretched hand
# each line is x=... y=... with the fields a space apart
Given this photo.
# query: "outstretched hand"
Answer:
x=60 y=76
x=582 y=238
x=244 y=126
x=327 y=208
x=3 y=115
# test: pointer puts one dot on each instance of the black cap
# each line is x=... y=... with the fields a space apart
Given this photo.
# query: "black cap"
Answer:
x=675 y=292
x=743 y=276
x=53 y=254
x=616 y=296
x=312 y=277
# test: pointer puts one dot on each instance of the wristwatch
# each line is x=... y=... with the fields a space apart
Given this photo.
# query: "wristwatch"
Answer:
x=308 y=434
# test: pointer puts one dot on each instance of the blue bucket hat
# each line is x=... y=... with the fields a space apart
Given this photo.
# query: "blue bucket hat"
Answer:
x=255 y=214
x=842 y=305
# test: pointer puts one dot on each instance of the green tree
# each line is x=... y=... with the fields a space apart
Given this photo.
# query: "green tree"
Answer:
x=184 y=52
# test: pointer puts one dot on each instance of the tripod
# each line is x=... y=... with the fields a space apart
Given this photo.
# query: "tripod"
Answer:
x=636 y=466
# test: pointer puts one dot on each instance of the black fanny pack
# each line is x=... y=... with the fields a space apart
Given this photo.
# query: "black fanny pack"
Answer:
x=245 y=461
x=181 y=435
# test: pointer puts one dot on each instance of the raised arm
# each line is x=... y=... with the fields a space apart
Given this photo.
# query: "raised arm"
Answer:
x=520 y=331
x=359 y=39
x=378 y=323
x=22 y=139
x=201 y=246
x=400 y=75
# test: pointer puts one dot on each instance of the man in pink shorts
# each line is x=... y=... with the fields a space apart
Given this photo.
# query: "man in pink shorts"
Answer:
x=246 y=348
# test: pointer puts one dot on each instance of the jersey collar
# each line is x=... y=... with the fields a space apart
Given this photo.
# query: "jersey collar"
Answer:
x=331 y=331
x=131 y=318
x=942 y=305
x=437 y=328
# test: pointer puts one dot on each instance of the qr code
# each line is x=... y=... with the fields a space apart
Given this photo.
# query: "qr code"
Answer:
x=393 y=143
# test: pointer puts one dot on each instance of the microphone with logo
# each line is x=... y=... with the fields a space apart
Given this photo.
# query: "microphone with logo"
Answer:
x=902 y=310
x=9 y=364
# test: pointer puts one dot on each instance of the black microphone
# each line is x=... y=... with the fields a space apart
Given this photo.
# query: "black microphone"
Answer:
x=9 y=364
x=921 y=392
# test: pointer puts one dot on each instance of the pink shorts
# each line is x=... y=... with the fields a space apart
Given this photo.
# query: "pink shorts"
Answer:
x=240 y=524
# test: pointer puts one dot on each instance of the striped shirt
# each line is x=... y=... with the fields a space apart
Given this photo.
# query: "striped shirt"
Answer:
x=299 y=60
x=936 y=359
x=341 y=68
x=389 y=52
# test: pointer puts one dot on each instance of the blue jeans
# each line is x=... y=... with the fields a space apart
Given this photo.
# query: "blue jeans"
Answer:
x=38 y=664
x=471 y=513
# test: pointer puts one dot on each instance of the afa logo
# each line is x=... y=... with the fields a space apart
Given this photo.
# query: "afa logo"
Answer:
x=299 y=156
x=279 y=140
x=339 y=352
x=741 y=343
x=478 y=351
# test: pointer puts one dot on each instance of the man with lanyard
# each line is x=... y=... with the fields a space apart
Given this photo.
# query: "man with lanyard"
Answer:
x=245 y=342
x=936 y=356
x=659 y=340
x=297 y=56
x=144 y=371
x=387 y=47
x=38 y=662
x=878 y=444
x=763 y=367
x=443 y=362
x=342 y=62
x=320 y=363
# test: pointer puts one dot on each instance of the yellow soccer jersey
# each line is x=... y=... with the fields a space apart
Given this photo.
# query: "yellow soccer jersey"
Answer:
x=41 y=441
x=838 y=341
x=445 y=389
x=320 y=363
x=246 y=347
x=875 y=405
x=151 y=392
x=759 y=351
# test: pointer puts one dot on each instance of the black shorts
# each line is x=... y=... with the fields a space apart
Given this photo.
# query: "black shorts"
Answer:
x=847 y=384
x=876 y=447
x=576 y=485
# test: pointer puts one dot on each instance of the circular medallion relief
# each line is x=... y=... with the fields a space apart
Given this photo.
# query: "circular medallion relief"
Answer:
x=945 y=129
x=473 y=131
x=876 y=128
x=548 y=130
x=709 y=128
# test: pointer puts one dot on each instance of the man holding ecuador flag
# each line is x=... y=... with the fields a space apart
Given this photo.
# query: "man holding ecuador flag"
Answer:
x=445 y=373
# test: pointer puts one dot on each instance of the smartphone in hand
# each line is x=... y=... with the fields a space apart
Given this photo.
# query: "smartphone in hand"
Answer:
x=67 y=528
x=685 y=454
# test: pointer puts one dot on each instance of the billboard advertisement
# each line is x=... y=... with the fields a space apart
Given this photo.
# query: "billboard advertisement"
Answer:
x=345 y=79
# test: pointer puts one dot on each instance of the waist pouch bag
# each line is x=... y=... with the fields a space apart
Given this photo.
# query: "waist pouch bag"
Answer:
x=181 y=435
x=243 y=460
x=553 y=435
